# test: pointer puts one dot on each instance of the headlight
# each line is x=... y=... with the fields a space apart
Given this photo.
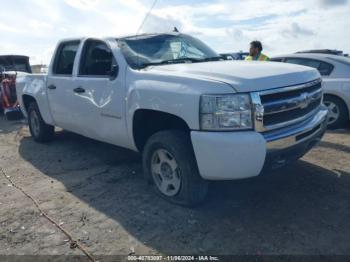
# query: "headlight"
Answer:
x=226 y=112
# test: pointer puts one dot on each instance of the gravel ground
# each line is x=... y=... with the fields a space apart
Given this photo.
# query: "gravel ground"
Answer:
x=96 y=192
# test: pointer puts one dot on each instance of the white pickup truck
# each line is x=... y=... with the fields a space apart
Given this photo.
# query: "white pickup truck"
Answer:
x=193 y=116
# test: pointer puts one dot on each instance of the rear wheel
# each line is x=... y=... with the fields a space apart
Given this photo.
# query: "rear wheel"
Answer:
x=338 y=114
x=40 y=131
x=169 y=164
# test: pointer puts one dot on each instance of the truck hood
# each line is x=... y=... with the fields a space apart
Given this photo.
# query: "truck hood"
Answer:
x=243 y=76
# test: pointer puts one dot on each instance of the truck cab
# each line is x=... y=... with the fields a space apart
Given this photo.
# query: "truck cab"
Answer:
x=193 y=116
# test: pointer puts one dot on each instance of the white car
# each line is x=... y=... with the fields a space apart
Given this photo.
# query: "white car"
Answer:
x=193 y=116
x=335 y=71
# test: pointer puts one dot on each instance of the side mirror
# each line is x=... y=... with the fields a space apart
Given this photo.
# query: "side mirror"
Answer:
x=114 y=72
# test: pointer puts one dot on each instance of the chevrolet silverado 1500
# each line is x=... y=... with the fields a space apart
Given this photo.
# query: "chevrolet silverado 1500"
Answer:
x=193 y=116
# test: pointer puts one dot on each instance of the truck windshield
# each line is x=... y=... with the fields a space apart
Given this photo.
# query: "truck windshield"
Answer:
x=146 y=50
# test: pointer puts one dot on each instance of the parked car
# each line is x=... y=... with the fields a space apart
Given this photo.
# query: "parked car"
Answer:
x=193 y=116
x=10 y=67
x=235 y=56
x=335 y=71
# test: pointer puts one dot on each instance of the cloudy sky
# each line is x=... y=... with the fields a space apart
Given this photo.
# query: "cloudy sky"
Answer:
x=32 y=27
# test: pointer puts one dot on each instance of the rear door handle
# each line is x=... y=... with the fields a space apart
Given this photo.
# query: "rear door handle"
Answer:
x=51 y=87
x=79 y=90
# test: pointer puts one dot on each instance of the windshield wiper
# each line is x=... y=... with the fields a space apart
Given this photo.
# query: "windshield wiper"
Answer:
x=183 y=60
x=179 y=60
x=214 y=58
x=171 y=61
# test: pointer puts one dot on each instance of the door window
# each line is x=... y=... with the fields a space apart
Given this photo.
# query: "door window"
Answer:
x=65 y=57
x=97 y=59
x=276 y=59
x=324 y=68
x=305 y=62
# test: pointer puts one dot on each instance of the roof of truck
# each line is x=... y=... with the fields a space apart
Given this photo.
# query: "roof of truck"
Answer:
x=148 y=35
x=120 y=37
x=5 y=56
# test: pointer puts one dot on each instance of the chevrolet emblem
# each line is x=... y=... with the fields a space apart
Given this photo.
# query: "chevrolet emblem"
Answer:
x=305 y=100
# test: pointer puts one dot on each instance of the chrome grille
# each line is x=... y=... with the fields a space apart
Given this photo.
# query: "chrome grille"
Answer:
x=281 y=107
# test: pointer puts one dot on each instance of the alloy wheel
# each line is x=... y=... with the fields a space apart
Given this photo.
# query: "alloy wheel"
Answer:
x=333 y=110
x=34 y=123
x=166 y=172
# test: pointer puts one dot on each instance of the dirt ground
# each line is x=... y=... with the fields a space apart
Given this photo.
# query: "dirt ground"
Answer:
x=97 y=193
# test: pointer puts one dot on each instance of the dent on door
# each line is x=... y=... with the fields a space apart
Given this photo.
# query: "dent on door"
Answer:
x=103 y=97
x=109 y=106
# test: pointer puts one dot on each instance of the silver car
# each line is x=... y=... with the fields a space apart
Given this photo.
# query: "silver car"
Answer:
x=335 y=71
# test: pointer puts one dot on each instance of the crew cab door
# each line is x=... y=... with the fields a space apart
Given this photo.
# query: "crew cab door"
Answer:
x=99 y=94
x=60 y=85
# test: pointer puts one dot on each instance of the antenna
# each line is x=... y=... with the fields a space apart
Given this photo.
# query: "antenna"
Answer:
x=140 y=27
x=147 y=15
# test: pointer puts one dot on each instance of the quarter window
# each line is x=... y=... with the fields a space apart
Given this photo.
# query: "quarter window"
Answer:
x=325 y=69
x=65 y=57
x=97 y=59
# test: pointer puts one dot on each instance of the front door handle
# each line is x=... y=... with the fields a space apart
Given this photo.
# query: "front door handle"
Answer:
x=51 y=87
x=79 y=90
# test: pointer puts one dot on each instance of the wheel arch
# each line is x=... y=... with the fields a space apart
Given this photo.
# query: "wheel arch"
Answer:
x=27 y=100
x=43 y=109
x=147 y=122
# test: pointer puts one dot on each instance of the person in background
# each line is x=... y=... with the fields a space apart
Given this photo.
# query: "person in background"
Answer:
x=255 y=52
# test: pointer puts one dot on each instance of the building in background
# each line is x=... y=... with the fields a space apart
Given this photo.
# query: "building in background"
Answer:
x=39 y=69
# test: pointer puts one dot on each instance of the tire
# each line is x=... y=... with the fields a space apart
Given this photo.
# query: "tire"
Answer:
x=40 y=131
x=159 y=154
x=338 y=112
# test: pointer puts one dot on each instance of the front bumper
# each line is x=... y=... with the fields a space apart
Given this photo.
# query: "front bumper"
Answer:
x=290 y=144
x=236 y=155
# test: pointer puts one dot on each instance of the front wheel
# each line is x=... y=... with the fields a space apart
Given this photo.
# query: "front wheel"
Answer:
x=169 y=164
x=40 y=131
x=338 y=113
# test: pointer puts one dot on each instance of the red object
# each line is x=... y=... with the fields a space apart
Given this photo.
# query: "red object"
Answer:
x=8 y=99
x=8 y=92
